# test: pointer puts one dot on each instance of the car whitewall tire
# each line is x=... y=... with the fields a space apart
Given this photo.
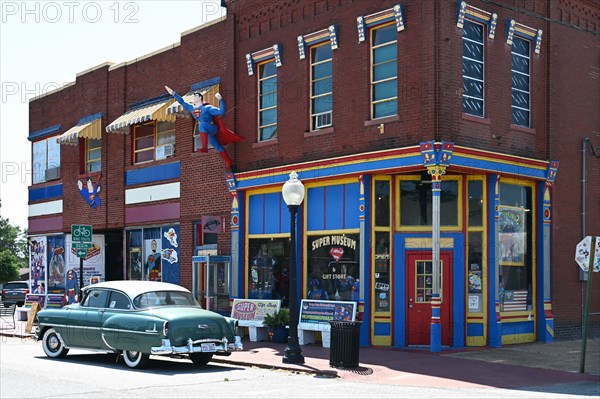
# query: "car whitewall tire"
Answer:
x=53 y=345
x=135 y=359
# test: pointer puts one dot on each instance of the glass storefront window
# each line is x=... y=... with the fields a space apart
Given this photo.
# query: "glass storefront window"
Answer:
x=515 y=248
x=268 y=269
x=333 y=267
x=416 y=200
x=382 y=203
x=382 y=272
x=475 y=203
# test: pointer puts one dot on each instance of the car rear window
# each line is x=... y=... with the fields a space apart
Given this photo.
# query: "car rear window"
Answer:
x=164 y=298
x=16 y=286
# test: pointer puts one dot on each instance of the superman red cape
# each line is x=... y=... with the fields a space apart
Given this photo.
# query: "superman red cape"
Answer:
x=224 y=135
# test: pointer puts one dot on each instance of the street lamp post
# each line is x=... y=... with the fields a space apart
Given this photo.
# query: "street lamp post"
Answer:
x=293 y=194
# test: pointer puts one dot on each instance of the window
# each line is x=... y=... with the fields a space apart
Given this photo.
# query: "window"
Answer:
x=334 y=266
x=93 y=155
x=473 y=76
x=515 y=247
x=268 y=269
x=382 y=216
x=321 y=87
x=267 y=103
x=416 y=202
x=520 y=83
x=384 y=72
x=95 y=299
x=153 y=141
x=46 y=160
x=118 y=301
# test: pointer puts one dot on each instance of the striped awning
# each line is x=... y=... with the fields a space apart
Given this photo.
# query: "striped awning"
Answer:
x=155 y=111
x=89 y=127
x=208 y=94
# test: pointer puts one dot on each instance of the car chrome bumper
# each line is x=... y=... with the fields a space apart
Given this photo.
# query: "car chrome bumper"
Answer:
x=194 y=347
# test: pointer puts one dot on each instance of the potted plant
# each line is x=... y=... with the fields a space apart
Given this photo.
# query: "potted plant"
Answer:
x=277 y=324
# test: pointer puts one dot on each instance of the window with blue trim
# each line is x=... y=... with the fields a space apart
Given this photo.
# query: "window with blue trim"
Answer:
x=521 y=100
x=384 y=71
x=267 y=104
x=46 y=160
x=473 y=62
x=321 y=88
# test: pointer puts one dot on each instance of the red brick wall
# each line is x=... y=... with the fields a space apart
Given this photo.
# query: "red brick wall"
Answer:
x=574 y=95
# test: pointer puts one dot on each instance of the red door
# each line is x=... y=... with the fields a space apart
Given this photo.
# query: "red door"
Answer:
x=419 y=290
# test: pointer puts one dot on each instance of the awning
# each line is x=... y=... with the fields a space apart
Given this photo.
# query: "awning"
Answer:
x=88 y=127
x=208 y=94
x=154 y=111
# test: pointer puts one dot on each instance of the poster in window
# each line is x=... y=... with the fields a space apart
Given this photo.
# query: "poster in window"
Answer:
x=512 y=236
x=135 y=262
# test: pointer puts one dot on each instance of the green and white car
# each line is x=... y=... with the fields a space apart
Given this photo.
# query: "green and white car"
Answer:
x=138 y=319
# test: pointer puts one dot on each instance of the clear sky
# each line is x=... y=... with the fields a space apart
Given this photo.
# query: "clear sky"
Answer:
x=45 y=44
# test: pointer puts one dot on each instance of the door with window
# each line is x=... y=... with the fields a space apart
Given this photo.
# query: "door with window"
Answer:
x=419 y=289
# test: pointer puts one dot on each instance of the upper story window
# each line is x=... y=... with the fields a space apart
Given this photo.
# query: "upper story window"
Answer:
x=153 y=141
x=384 y=71
x=93 y=155
x=321 y=87
x=473 y=62
x=521 y=100
x=267 y=103
x=46 y=160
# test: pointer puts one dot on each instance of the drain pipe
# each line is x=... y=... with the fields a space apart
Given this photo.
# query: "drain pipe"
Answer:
x=583 y=275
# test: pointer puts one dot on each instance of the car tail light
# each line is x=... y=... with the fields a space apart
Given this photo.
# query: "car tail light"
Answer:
x=26 y=292
x=166 y=329
x=3 y=292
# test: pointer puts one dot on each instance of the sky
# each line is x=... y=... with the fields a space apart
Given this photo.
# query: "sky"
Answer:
x=45 y=44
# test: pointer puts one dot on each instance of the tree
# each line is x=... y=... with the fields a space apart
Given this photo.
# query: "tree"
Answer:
x=9 y=268
x=13 y=247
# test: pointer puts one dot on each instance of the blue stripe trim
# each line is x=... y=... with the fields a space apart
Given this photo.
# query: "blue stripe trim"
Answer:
x=520 y=327
x=370 y=165
x=508 y=168
x=152 y=174
x=475 y=330
x=206 y=83
x=333 y=171
x=43 y=193
x=47 y=131
x=383 y=329
x=89 y=118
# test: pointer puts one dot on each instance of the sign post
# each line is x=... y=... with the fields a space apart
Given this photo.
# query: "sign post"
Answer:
x=587 y=255
x=81 y=240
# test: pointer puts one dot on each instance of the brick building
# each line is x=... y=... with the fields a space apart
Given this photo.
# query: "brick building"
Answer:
x=397 y=117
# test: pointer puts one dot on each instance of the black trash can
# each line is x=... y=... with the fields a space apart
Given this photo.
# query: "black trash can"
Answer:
x=344 y=344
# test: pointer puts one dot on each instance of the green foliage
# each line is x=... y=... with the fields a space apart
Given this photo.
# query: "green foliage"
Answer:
x=14 y=241
x=281 y=318
x=9 y=267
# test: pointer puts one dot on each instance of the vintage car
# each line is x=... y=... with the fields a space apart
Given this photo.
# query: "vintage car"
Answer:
x=138 y=319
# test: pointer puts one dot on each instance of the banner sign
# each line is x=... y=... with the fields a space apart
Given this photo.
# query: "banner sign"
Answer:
x=322 y=312
x=254 y=309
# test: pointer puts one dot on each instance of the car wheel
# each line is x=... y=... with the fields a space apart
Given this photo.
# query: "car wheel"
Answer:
x=135 y=359
x=201 y=359
x=52 y=345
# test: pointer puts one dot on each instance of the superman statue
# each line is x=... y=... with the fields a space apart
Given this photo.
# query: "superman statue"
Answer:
x=71 y=287
x=210 y=126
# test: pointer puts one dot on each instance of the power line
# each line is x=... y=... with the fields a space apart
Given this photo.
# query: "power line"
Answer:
x=540 y=16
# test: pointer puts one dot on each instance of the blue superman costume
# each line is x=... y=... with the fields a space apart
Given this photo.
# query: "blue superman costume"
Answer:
x=210 y=126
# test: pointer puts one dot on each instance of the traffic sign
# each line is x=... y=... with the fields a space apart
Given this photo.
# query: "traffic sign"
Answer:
x=82 y=245
x=82 y=253
x=584 y=253
x=81 y=233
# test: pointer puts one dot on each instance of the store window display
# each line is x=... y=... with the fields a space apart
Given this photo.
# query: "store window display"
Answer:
x=268 y=270
x=333 y=267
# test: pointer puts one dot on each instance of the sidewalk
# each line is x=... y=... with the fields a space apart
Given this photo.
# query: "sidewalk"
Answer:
x=515 y=366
